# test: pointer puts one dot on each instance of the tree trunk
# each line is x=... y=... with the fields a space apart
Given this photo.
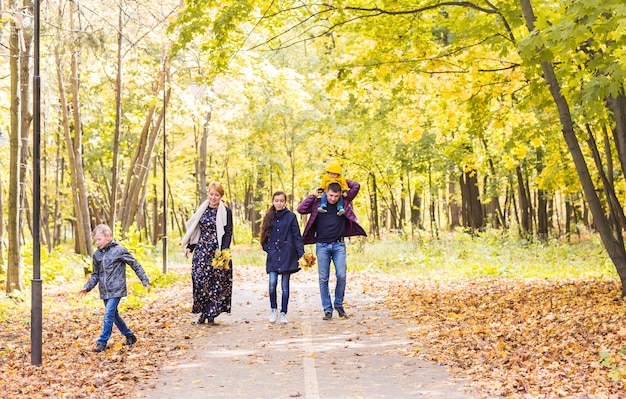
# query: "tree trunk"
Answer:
x=608 y=156
x=59 y=179
x=393 y=222
x=612 y=243
x=174 y=215
x=83 y=219
x=416 y=211
x=454 y=212
x=434 y=230
x=471 y=208
x=74 y=144
x=524 y=205
x=253 y=198
x=81 y=227
x=542 y=215
x=203 y=156
x=616 y=212
x=118 y=117
x=138 y=172
x=25 y=113
x=14 y=264
x=155 y=205
x=617 y=106
x=2 y=263
x=570 y=217
x=374 y=220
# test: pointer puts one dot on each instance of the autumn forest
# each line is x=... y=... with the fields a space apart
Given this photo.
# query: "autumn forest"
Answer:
x=504 y=118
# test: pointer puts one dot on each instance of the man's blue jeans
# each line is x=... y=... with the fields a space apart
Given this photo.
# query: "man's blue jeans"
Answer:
x=337 y=253
x=284 y=286
x=111 y=316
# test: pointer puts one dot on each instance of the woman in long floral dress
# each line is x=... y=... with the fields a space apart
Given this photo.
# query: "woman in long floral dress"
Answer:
x=210 y=230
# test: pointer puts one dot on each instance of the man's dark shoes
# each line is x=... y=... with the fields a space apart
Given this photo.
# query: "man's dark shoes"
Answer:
x=99 y=348
x=328 y=315
x=131 y=339
x=342 y=313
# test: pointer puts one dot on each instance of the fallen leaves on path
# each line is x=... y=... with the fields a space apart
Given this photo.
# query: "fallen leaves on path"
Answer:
x=70 y=329
x=519 y=338
x=515 y=338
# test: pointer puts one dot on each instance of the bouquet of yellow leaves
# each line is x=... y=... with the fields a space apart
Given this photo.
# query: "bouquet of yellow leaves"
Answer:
x=307 y=260
x=221 y=260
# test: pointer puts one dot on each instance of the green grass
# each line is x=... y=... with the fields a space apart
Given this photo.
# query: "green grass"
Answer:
x=453 y=256
x=460 y=256
x=249 y=255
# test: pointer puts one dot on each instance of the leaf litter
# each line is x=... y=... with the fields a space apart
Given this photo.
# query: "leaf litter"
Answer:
x=518 y=338
x=514 y=338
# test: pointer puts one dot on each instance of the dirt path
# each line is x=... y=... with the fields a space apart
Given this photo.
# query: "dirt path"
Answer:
x=245 y=357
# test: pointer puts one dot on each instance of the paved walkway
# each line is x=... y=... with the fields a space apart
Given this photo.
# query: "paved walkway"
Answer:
x=358 y=357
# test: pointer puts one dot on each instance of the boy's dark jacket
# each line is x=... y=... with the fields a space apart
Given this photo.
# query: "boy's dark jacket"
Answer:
x=109 y=270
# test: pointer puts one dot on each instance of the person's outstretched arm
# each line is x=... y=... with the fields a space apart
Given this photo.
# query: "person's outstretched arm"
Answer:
x=306 y=206
x=354 y=188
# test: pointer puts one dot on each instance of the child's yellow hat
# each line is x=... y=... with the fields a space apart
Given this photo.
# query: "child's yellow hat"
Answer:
x=334 y=168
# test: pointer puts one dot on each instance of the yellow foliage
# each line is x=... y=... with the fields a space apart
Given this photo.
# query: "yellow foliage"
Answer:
x=307 y=260
x=221 y=260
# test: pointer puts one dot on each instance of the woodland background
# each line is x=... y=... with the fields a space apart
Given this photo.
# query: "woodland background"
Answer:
x=504 y=114
x=503 y=122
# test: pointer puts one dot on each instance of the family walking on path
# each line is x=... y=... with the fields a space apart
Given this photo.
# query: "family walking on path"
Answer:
x=208 y=236
x=331 y=221
x=312 y=357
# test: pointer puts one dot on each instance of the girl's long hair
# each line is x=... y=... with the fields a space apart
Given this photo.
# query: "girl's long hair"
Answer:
x=268 y=219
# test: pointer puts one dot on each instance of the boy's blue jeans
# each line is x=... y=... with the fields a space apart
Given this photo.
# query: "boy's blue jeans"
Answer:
x=284 y=286
x=336 y=252
x=111 y=316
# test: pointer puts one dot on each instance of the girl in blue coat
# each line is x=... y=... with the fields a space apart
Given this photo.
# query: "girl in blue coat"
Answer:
x=281 y=239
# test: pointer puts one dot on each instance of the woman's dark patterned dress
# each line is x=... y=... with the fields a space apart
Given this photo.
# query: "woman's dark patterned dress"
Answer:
x=212 y=288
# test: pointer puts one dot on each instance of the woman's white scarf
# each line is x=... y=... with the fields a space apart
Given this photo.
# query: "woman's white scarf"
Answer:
x=193 y=230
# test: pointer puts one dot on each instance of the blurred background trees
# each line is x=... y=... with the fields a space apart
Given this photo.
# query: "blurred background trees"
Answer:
x=505 y=115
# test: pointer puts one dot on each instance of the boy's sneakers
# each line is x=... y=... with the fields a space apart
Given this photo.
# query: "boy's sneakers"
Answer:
x=340 y=212
x=131 y=339
x=321 y=210
x=342 y=313
x=273 y=315
x=328 y=315
x=283 y=318
x=99 y=348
